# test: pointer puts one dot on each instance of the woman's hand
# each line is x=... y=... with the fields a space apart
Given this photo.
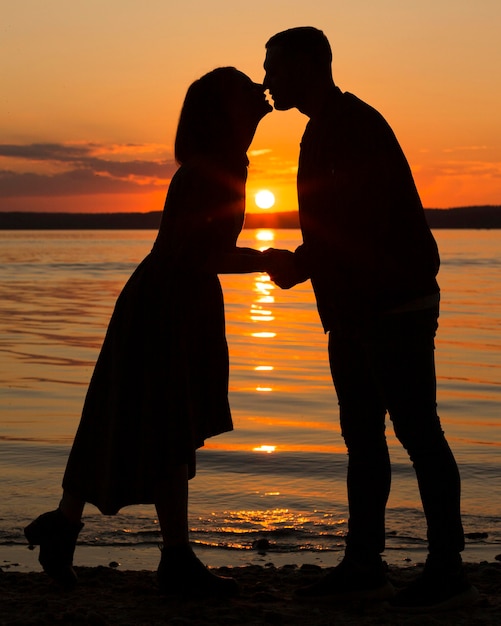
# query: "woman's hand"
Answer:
x=281 y=266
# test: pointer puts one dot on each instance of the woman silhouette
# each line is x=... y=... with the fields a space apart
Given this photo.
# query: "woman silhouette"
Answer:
x=160 y=384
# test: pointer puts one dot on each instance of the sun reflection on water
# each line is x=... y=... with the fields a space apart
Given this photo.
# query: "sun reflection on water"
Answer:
x=270 y=529
x=263 y=285
x=266 y=300
x=262 y=313
x=265 y=235
x=258 y=314
x=268 y=519
x=264 y=288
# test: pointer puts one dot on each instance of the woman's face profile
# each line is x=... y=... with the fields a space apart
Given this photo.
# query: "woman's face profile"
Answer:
x=247 y=105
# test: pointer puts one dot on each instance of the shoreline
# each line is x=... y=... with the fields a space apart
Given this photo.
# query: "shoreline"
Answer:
x=470 y=217
x=20 y=558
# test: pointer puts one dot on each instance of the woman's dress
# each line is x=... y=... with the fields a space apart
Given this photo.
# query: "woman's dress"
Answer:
x=160 y=384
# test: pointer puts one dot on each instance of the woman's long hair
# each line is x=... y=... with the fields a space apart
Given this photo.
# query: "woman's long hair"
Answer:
x=205 y=124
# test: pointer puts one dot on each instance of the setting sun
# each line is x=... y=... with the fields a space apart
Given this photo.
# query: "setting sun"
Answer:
x=267 y=449
x=265 y=199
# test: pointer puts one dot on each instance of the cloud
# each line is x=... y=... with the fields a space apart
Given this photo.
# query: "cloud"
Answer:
x=80 y=171
x=257 y=153
x=477 y=169
x=465 y=149
x=47 y=151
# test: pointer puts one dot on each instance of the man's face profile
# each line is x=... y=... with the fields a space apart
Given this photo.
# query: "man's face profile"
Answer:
x=280 y=78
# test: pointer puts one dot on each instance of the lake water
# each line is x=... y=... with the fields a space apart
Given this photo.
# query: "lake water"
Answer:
x=280 y=475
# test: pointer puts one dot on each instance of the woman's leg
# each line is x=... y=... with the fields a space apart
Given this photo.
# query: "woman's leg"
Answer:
x=180 y=572
x=71 y=507
x=172 y=508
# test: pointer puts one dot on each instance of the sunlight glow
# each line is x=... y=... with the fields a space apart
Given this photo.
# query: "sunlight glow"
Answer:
x=264 y=368
x=267 y=449
x=264 y=199
x=264 y=335
x=264 y=388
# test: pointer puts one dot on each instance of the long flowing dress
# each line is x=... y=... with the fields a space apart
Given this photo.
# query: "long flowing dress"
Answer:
x=160 y=384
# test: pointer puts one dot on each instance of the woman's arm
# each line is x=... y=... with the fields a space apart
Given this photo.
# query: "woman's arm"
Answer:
x=205 y=217
x=236 y=261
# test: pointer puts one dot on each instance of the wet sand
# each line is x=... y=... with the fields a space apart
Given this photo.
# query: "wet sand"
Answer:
x=108 y=595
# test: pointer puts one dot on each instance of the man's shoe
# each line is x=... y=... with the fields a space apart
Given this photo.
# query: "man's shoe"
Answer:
x=57 y=538
x=182 y=574
x=351 y=580
x=436 y=590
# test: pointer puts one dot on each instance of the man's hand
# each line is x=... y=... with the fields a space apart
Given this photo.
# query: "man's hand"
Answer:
x=281 y=267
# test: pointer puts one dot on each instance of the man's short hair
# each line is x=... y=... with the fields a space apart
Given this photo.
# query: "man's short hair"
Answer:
x=303 y=41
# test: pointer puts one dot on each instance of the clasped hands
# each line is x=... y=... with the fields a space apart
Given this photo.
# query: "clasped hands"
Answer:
x=281 y=266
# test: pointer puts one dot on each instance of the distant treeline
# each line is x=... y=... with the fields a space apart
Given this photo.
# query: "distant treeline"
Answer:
x=461 y=217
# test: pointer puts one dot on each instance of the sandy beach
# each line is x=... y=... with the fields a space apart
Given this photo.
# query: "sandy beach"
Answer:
x=109 y=595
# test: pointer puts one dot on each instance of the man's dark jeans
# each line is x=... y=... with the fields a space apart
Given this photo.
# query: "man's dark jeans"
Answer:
x=388 y=366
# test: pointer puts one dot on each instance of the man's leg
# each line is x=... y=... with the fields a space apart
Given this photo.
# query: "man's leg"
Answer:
x=361 y=573
x=362 y=416
x=404 y=349
x=405 y=354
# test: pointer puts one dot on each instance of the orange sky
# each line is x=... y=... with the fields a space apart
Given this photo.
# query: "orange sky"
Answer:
x=91 y=93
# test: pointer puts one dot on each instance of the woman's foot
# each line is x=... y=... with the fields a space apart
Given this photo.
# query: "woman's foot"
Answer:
x=181 y=573
x=57 y=538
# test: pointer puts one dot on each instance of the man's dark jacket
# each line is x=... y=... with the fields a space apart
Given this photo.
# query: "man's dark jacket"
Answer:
x=367 y=246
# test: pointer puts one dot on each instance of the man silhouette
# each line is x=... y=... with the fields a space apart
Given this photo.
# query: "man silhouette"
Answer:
x=372 y=261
